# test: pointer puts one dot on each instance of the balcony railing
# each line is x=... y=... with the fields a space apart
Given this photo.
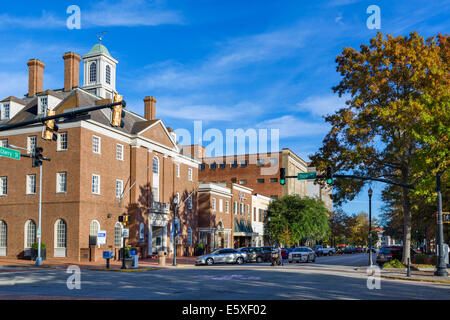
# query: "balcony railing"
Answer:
x=160 y=207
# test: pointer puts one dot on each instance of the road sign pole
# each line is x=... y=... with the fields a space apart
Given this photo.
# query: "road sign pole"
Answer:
x=39 y=259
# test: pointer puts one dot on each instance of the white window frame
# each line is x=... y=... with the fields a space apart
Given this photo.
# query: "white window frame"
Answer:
x=3 y=186
x=43 y=106
x=119 y=192
x=59 y=176
x=220 y=205
x=178 y=170
x=3 y=237
x=213 y=205
x=227 y=206
x=29 y=233
x=63 y=134
x=60 y=251
x=190 y=174
x=119 y=154
x=29 y=144
x=155 y=165
x=4 y=143
x=98 y=184
x=6 y=110
x=118 y=236
x=31 y=188
x=99 y=145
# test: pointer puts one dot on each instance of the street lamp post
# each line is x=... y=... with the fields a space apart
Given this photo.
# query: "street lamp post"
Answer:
x=39 y=258
x=175 y=201
x=370 y=226
x=441 y=269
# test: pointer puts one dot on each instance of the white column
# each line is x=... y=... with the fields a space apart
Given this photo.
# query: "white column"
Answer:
x=150 y=236
x=164 y=238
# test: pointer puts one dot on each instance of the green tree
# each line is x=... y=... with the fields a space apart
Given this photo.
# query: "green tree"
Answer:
x=397 y=120
x=293 y=219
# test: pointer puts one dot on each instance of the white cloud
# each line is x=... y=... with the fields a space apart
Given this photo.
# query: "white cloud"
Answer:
x=321 y=105
x=45 y=21
x=291 y=126
x=129 y=13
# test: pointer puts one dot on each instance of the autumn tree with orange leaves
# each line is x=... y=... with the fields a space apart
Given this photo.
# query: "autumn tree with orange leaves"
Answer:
x=396 y=123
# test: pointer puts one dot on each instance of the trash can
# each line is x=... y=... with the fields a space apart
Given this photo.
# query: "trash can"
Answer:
x=161 y=258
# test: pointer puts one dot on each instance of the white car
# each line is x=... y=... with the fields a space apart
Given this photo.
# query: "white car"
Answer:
x=302 y=254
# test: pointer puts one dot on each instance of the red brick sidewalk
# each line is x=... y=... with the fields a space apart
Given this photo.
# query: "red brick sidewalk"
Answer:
x=91 y=264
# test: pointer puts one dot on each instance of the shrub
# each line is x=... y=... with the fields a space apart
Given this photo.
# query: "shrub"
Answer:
x=35 y=246
x=394 y=264
x=419 y=258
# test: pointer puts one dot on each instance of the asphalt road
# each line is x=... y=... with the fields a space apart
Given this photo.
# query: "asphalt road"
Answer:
x=317 y=280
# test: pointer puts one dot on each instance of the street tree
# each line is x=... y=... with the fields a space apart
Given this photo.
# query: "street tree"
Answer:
x=396 y=120
x=293 y=219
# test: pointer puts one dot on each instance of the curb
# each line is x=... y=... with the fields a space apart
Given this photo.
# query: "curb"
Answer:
x=415 y=279
x=124 y=270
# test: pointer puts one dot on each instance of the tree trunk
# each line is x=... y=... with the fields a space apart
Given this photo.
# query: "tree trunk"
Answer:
x=406 y=226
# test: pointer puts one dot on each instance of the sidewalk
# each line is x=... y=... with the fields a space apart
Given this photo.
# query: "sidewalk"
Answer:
x=416 y=275
x=58 y=263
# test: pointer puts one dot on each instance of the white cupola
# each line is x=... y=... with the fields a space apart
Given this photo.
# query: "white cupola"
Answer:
x=100 y=72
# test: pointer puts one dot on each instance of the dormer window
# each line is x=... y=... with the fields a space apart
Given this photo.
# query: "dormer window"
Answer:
x=43 y=105
x=6 y=111
x=108 y=74
x=93 y=72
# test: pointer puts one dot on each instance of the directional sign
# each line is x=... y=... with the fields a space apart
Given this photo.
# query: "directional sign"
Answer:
x=307 y=175
x=10 y=153
x=125 y=233
x=101 y=237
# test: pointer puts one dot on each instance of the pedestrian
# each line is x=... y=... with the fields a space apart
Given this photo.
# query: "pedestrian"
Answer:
x=280 y=256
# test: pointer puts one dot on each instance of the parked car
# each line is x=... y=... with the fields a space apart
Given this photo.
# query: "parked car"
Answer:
x=349 y=250
x=254 y=254
x=388 y=253
x=325 y=251
x=222 y=256
x=300 y=254
x=267 y=253
x=359 y=250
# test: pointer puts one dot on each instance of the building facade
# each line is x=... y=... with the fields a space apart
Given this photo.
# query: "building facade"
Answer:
x=97 y=172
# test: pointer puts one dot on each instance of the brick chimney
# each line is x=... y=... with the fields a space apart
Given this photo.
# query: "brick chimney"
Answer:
x=35 y=76
x=150 y=112
x=71 y=70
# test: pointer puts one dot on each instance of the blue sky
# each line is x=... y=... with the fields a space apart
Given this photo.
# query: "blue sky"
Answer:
x=231 y=64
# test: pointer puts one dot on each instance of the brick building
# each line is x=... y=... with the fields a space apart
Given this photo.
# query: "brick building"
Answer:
x=224 y=215
x=96 y=173
x=260 y=172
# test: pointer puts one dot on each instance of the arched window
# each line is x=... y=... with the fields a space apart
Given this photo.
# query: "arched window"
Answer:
x=30 y=233
x=155 y=165
x=93 y=72
x=108 y=74
x=60 y=234
x=118 y=235
x=93 y=231
x=3 y=238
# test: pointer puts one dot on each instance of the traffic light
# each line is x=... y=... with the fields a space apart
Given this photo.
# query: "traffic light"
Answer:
x=118 y=113
x=124 y=219
x=37 y=157
x=282 y=176
x=50 y=127
x=329 y=175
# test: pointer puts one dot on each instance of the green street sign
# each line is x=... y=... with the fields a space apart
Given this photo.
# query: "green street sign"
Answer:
x=306 y=175
x=9 y=153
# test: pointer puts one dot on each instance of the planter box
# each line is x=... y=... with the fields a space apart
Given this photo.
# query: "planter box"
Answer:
x=34 y=254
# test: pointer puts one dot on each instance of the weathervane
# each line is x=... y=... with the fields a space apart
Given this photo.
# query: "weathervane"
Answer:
x=100 y=36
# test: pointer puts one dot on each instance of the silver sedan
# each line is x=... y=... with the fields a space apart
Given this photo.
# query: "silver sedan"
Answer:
x=300 y=254
x=222 y=256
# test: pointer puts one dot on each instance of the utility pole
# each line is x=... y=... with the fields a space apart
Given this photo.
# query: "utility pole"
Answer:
x=441 y=269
